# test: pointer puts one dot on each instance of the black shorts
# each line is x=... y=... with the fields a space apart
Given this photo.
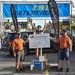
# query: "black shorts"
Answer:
x=64 y=54
x=19 y=56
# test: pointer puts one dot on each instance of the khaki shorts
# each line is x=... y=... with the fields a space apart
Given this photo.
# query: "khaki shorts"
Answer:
x=19 y=56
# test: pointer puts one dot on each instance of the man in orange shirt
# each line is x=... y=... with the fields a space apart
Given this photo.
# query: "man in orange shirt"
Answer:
x=65 y=44
x=18 y=51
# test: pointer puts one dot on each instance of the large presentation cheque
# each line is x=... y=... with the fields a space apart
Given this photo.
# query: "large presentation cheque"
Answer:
x=39 y=40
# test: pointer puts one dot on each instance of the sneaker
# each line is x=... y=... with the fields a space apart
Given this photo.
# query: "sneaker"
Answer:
x=60 y=69
x=67 y=70
x=18 y=70
x=21 y=69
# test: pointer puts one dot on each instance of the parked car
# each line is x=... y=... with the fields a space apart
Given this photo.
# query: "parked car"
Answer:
x=6 y=46
x=7 y=41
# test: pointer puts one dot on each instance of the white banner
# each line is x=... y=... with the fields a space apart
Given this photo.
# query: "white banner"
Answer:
x=39 y=40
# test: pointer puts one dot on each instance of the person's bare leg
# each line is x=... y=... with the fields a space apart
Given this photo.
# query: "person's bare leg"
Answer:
x=22 y=60
x=67 y=65
x=40 y=51
x=17 y=65
x=21 y=65
x=61 y=64
x=37 y=52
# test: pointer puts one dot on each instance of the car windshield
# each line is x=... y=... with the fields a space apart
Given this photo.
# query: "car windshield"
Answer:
x=10 y=36
x=24 y=35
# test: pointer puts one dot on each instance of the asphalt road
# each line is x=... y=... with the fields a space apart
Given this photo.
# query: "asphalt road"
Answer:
x=7 y=65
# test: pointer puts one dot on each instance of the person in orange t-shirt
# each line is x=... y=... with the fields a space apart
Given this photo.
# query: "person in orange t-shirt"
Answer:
x=65 y=44
x=18 y=51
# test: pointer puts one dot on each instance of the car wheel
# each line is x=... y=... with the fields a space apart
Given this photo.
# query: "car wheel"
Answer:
x=11 y=51
x=26 y=51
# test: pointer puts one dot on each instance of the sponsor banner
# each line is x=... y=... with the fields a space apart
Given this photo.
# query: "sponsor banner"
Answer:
x=35 y=10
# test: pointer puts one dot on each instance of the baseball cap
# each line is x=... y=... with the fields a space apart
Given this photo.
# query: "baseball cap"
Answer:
x=64 y=30
x=18 y=33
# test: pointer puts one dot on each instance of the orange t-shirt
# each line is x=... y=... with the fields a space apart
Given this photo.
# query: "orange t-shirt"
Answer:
x=64 y=42
x=18 y=44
